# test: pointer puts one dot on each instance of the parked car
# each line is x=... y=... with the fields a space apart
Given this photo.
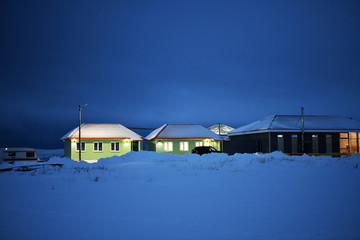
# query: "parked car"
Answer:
x=204 y=150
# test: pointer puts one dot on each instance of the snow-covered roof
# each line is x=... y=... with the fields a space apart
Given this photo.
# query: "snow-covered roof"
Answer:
x=224 y=129
x=18 y=149
x=103 y=131
x=181 y=131
x=293 y=123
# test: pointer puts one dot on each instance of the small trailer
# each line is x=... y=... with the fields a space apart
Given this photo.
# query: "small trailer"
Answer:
x=18 y=154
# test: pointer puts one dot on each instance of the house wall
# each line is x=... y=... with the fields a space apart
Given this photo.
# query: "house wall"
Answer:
x=151 y=145
x=89 y=154
x=250 y=143
x=67 y=148
x=158 y=145
x=307 y=141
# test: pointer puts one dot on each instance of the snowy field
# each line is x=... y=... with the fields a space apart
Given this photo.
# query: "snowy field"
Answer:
x=146 y=195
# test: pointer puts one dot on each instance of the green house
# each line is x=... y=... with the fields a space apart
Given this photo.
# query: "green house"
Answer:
x=100 y=141
x=181 y=138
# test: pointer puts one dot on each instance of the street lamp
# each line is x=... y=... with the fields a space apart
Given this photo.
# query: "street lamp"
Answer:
x=80 y=147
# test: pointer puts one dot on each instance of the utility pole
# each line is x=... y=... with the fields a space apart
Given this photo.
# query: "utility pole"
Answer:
x=302 y=130
x=80 y=147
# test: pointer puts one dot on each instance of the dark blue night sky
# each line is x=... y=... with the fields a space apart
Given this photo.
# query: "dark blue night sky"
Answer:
x=146 y=63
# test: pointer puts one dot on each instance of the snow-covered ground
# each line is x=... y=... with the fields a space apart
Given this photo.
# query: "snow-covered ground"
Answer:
x=146 y=195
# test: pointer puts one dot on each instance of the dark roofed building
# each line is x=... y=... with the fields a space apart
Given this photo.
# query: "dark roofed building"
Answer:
x=322 y=135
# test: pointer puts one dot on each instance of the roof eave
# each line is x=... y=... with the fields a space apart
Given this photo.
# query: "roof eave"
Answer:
x=293 y=130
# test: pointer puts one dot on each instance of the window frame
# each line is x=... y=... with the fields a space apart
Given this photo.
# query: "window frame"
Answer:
x=328 y=143
x=201 y=143
x=313 y=137
x=166 y=147
x=294 y=142
x=182 y=145
x=344 y=140
x=278 y=137
x=102 y=148
x=76 y=146
x=117 y=142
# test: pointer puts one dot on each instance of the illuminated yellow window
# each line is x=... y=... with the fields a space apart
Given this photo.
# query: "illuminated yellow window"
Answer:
x=199 y=143
x=184 y=146
x=168 y=146
x=349 y=142
x=344 y=135
x=353 y=142
x=344 y=143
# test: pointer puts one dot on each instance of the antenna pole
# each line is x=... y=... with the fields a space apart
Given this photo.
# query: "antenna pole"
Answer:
x=80 y=133
x=302 y=130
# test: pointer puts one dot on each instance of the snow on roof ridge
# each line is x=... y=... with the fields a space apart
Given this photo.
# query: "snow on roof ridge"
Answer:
x=310 y=115
x=183 y=124
x=291 y=122
x=162 y=129
x=170 y=131
x=91 y=131
x=156 y=132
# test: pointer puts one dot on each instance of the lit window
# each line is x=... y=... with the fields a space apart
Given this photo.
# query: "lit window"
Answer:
x=349 y=143
x=83 y=149
x=199 y=144
x=184 y=146
x=11 y=154
x=115 y=147
x=168 y=146
x=352 y=134
x=353 y=142
x=344 y=143
x=98 y=147
x=344 y=135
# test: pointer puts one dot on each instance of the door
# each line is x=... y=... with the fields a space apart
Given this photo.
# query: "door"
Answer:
x=135 y=146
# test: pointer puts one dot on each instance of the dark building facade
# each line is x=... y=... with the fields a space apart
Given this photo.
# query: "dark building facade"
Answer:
x=324 y=135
